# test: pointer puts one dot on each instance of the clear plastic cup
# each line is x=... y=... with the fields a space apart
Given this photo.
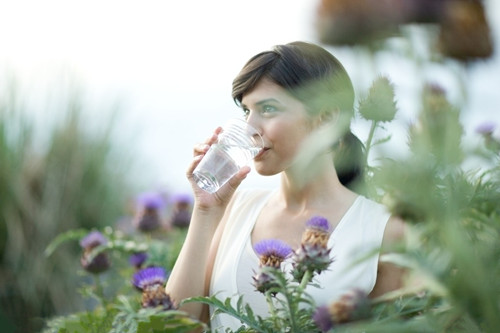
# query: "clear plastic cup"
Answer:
x=237 y=145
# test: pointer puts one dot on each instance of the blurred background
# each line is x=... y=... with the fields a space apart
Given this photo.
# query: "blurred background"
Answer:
x=166 y=68
x=100 y=100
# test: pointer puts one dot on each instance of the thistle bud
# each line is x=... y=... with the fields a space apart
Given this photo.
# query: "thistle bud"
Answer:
x=380 y=103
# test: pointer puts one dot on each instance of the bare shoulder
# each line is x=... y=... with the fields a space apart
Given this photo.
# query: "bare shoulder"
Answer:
x=395 y=231
x=390 y=276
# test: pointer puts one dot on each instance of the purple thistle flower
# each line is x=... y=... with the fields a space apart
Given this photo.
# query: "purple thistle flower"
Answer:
x=148 y=217
x=181 y=198
x=317 y=232
x=313 y=254
x=99 y=262
x=137 y=259
x=318 y=222
x=151 y=281
x=93 y=239
x=153 y=200
x=486 y=128
x=272 y=252
x=149 y=276
x=323 y=319
x=182 y=212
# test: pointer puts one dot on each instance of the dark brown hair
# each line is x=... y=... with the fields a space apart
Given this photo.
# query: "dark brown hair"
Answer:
x=316 y=78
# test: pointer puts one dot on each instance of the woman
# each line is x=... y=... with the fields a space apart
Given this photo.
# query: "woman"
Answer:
x=288 y=93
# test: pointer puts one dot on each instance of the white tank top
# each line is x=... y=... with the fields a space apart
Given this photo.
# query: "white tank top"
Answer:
x=358 y=235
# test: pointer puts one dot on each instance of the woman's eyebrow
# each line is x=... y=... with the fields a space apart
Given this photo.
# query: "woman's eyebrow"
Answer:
x=264 y=101
x=267 y=100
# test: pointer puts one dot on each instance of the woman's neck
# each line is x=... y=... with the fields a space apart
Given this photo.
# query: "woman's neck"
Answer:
x=307 y=191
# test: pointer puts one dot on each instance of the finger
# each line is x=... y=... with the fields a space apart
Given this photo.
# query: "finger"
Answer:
x=215 y=135
x=200 y=149
x=194 y=163
x=236 y=180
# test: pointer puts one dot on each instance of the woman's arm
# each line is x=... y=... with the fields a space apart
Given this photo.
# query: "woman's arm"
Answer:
x=390 y=276
x=188 y=277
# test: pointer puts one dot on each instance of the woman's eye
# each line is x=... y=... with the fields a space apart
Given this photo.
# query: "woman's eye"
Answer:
x=268 y=109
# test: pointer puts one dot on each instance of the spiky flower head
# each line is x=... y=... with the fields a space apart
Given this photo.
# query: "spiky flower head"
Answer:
x=151 y=282
x=313 y=254
x=271 y=252
x=149 y=276
x=380 y=103
x=99 y=262
x=352 y=306
x=137 y=259
x=317 y=232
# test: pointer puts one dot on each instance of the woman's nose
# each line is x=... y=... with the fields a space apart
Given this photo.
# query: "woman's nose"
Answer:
x=252 y=120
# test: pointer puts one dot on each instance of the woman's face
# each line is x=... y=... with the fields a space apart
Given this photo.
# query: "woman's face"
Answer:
x=283 y=122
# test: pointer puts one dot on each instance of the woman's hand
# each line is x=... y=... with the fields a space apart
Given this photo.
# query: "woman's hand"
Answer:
x=221 y=198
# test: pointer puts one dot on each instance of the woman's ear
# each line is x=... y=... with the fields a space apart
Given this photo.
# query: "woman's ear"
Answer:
x=329 y=116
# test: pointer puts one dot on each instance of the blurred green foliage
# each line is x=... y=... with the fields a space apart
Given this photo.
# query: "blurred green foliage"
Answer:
x=76 y=179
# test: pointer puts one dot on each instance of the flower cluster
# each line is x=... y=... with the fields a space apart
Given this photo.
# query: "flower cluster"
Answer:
x=352 y=306
x=94 y=263
x=313 y=255
x=151 y=282
x=271 y=252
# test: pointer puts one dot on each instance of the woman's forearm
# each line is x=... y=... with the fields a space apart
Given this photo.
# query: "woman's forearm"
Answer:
x=187 y=278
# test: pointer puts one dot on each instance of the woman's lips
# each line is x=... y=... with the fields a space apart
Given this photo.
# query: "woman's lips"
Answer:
x=260 y=154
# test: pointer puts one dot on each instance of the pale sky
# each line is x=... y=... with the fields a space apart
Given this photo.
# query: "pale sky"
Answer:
x=170 y=64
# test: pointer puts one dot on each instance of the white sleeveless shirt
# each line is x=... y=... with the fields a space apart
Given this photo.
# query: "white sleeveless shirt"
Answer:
x=354 y=242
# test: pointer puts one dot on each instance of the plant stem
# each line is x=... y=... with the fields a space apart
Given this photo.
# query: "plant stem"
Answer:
x=369 y=140
x=272 y=310
x=100 y=292
x=303 y=283
x=293 y=300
